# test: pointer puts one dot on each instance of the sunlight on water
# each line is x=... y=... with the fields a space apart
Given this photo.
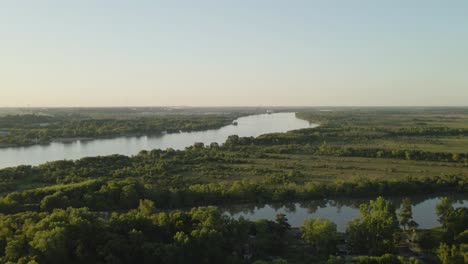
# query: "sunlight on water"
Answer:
x=254 y=125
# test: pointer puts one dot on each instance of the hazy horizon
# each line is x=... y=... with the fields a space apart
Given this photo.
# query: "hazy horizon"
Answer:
x=239 y=106
x=233 y=54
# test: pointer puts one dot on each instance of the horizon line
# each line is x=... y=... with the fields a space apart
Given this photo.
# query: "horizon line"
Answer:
x=244 y=106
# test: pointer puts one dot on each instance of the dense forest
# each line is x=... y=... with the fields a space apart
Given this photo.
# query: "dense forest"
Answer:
x=205 y=235
x=154 y=207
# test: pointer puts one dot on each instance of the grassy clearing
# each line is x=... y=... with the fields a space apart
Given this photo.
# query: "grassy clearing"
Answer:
x=433 y=144
x=329 y=169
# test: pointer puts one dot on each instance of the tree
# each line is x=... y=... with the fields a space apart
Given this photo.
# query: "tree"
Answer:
x=462 y=237
x=271 y=238
x=426 y=240
x=282 y=221
x=380 y=154
x=451 y=255
x=320 y=234
x=129 y=197
x=374 y=232
x=275 y=261
x=54 y=201
x=413 y=225
x=384 y=259
x=413 y=260
x=232 y=140
x=408 y=155
x=454 y=221
x=406 y=214
x=444 y=209
x=336 y=260
x=198 y=145
x=146 y=207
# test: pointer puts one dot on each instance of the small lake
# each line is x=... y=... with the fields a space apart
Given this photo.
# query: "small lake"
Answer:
x=338 y=211
x=254 y=125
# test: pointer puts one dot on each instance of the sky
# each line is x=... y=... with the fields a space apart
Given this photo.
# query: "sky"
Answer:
x=233 y=53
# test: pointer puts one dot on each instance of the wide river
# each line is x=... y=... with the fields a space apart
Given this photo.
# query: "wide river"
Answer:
x=254 y=125
x=338 y=211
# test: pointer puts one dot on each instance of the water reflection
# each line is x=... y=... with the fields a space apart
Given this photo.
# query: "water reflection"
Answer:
x=246 y=127
x=340 y=211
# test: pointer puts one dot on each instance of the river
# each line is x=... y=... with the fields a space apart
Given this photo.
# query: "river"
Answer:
x=254 y=125
x=338 y=211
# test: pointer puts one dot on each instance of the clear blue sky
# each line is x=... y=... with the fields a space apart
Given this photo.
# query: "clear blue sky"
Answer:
x=213 y=53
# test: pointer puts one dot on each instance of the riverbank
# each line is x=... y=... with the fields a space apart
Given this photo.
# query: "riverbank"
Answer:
x=30 y=130
x=341 y=211
x=71 y=148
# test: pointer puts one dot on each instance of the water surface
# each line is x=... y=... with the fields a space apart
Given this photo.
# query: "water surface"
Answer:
x=338 y=211
x=254 y=125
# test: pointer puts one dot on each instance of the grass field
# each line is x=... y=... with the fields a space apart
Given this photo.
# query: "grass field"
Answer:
x=326 y=168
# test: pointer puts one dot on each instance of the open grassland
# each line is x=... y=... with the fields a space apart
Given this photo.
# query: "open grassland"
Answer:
x=456 y=144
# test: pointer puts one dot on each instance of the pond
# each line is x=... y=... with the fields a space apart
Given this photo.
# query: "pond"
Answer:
x=338 y=211
x=254 y=125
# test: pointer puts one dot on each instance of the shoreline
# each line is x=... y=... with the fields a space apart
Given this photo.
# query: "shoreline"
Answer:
x=69 y=140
